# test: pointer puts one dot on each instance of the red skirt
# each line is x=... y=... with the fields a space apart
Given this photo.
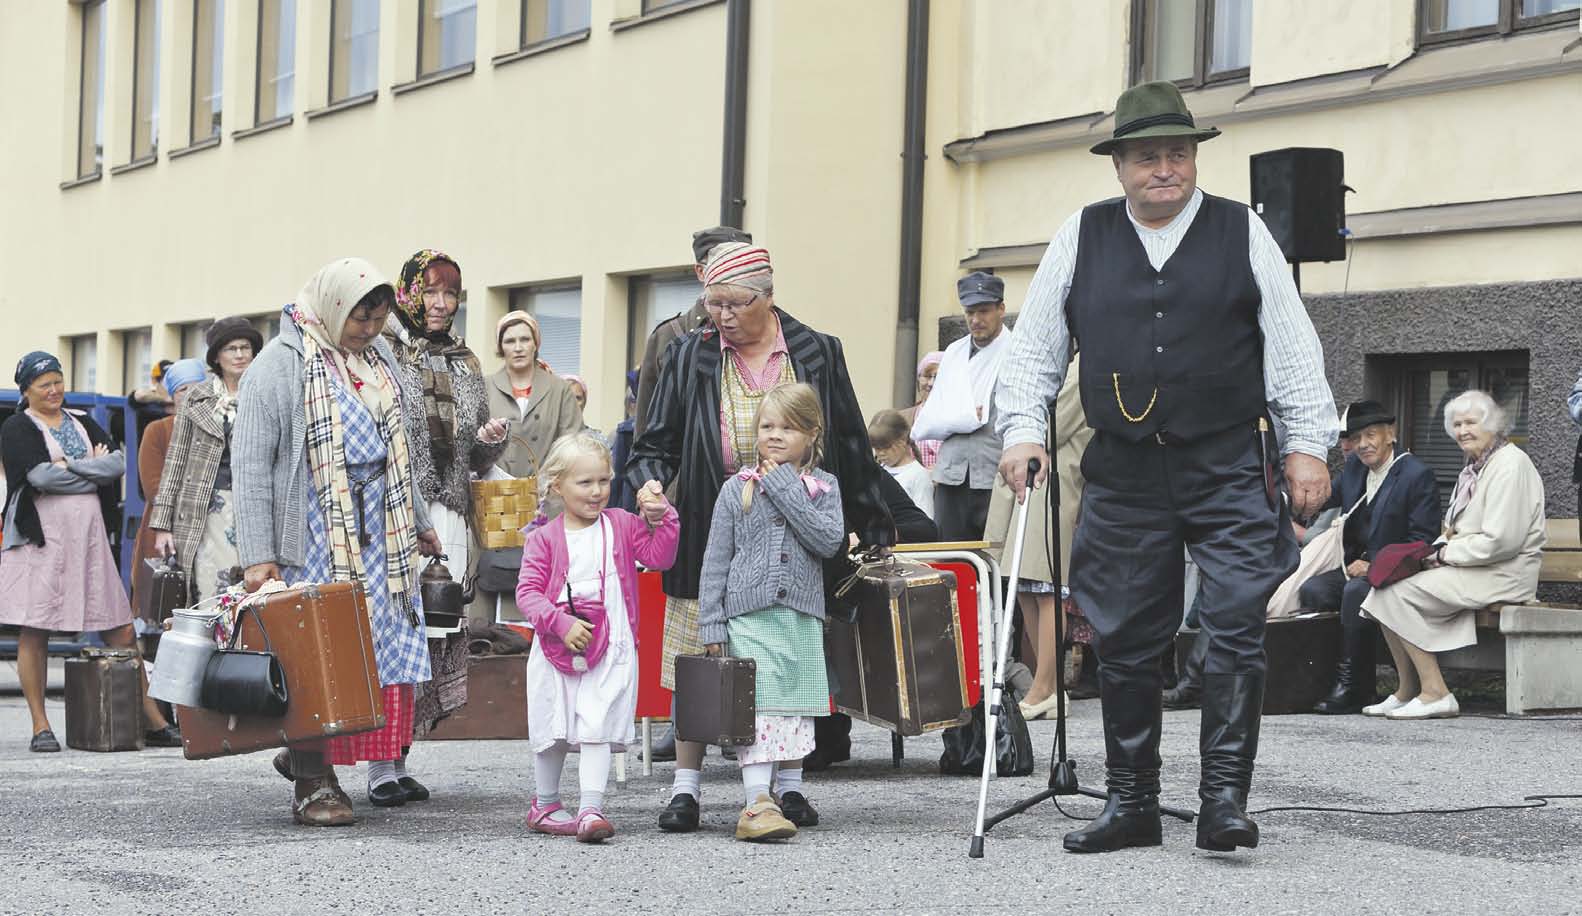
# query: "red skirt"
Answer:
x=388 y=743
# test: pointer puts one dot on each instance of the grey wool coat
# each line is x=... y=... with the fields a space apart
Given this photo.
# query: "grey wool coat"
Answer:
x=773 y=554
x=192 y=463
x=269 y=455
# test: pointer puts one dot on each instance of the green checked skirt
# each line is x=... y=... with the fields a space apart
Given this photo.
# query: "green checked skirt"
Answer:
x=789 y=649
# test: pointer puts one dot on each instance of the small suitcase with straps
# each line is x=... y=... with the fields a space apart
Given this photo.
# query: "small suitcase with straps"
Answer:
x=716 y=699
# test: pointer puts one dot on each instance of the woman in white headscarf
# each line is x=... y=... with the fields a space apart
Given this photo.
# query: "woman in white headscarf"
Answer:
x=325 y=493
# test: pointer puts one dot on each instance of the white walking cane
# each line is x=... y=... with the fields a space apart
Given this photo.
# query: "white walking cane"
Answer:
x=996 y=693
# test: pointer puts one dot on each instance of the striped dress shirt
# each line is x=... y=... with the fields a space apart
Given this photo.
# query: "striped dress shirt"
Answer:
x=1299 y=398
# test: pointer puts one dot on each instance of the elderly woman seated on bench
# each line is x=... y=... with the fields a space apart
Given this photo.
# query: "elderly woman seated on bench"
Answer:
x=1489 y=554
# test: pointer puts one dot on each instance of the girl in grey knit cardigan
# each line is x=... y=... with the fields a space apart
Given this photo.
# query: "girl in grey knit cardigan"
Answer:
x=762 y=597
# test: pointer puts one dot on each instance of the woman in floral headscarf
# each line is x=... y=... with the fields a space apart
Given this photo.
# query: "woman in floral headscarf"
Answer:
x=451 y=437
x=324 y=493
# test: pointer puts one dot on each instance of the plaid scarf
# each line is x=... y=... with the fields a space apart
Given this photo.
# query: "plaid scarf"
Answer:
x=327 y=462
x=436 y=354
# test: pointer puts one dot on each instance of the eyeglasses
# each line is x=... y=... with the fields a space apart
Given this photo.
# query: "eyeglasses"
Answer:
x=728 y=305
x=238 y=350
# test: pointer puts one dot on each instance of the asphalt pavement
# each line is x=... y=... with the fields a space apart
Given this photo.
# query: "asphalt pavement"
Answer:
x=149 y=832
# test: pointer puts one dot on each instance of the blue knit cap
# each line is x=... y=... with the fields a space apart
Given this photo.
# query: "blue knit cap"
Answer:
x=184 y=372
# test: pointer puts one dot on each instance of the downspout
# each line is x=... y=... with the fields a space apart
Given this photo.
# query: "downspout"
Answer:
x=906 y=325
x=733 y=156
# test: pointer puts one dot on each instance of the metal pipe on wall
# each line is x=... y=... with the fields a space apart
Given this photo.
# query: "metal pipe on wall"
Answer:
x=733 y=156
x=912 y=157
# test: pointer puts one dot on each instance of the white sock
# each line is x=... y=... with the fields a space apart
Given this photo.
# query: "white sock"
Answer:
x=400 y=766
x=788 y=780
x=756 y=778
x=688 y=781
x=593 y=774
x=547 y=766
x=380 y=772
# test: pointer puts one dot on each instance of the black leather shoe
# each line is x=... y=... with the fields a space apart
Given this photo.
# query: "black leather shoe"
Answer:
x=1184 y=695
x=823 y=757
x=681 y=815
x=162 y=737
x=1354 y=681
x=1132 y=724
x=387 y=795
x=415 y=791
x=796 y=809
x=664 y=749
x=44 y=742
x=1232 y=713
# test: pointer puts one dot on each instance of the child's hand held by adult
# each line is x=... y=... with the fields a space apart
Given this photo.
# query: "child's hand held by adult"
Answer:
x=714 y=649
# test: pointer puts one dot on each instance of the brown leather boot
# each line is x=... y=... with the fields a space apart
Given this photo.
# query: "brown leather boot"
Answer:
x=317 y=804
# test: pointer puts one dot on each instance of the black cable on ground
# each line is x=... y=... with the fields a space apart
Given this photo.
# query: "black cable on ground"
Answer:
x=1529 y=801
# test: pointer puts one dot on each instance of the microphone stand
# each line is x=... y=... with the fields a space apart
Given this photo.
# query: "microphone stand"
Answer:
x=1062 y=769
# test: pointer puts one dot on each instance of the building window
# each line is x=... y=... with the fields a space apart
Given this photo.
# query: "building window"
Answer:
x=559 y=313
x=85 y=362
x=546 y=19
x=654 y=299
x=145 y=79
x=267 y=325
x=90 y=93
x=277 y=58
x=208 y=59
x=1420 y=386
x=650 y=6
x=354 y=48
x=1455 y=20
x=447 y=34
x=1192 y=42
x=137 y=359
x=193 y=346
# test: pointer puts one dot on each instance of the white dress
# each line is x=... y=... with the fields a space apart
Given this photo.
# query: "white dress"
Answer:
x=598 y=706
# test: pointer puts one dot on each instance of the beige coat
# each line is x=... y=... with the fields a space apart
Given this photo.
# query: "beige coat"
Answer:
x=552 y=412
x=1071 y=440
x=1492 y=557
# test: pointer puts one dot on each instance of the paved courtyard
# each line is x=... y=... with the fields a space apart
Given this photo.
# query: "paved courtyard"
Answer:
x=152 y=833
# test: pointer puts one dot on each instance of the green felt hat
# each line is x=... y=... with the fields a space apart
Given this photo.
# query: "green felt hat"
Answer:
x=1153 y=109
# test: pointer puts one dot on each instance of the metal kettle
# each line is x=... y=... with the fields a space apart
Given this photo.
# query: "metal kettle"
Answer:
x=444 y=603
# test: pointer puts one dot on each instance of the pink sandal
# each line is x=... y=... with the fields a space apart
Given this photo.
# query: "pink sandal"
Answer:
x=592 y=826
x=538 y=819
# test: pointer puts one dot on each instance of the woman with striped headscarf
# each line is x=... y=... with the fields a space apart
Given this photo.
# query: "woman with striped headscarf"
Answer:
x=700 y=431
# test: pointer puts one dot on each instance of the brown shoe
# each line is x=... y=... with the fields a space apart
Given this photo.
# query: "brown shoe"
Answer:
x=316 y=805
x=763 y=820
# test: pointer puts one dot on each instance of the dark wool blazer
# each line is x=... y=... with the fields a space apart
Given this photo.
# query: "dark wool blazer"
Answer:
x=1406 y=508
x=681 y=440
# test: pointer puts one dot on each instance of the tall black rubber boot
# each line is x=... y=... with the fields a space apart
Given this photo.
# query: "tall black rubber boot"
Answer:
x=1232 y=712
x=1132 y=720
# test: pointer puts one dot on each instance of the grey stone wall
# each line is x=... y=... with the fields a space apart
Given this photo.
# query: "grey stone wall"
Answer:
x=1543 y=318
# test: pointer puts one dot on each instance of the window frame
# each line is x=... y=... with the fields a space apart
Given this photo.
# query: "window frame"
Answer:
x=217 y=48
x=422 y=6
x=1144 y=20
x=331 y=100
x=522 y=42
x=92 y=8
x=258 y=60
x=1507 y=22
x=137 y=61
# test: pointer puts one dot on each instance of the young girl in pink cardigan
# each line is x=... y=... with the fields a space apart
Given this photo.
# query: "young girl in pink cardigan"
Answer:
x=578 y=590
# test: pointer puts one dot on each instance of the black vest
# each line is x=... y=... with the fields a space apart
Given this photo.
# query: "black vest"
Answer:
x=1177 y=349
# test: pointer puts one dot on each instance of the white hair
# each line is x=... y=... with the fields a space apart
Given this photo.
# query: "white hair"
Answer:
x=1491 y=416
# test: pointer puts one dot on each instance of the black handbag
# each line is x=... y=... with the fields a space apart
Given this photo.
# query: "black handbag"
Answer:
x=1013 y=746
x=498 y=570
x=242 y=682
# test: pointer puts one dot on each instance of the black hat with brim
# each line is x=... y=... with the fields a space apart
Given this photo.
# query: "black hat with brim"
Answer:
x=1150 y=110
x=1363 y=414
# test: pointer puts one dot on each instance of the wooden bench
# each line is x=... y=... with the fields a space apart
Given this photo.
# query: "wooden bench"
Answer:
x=1537 y=645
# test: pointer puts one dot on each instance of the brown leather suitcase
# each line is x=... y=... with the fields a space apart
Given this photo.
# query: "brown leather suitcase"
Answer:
x=320 y=634
x=496 y=702
x=716 y=699
x=104 y=701
x=167 y=590
x=902 y=665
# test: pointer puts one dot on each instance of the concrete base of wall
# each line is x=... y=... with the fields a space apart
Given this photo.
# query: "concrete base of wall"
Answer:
x=1543 y=658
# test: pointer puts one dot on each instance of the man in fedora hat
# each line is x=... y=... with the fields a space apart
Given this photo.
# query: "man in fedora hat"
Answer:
x=959 y=412
x=1192 y=337
x=1389 y=497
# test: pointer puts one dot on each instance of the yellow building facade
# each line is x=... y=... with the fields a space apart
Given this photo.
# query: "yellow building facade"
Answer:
x=170 y=161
